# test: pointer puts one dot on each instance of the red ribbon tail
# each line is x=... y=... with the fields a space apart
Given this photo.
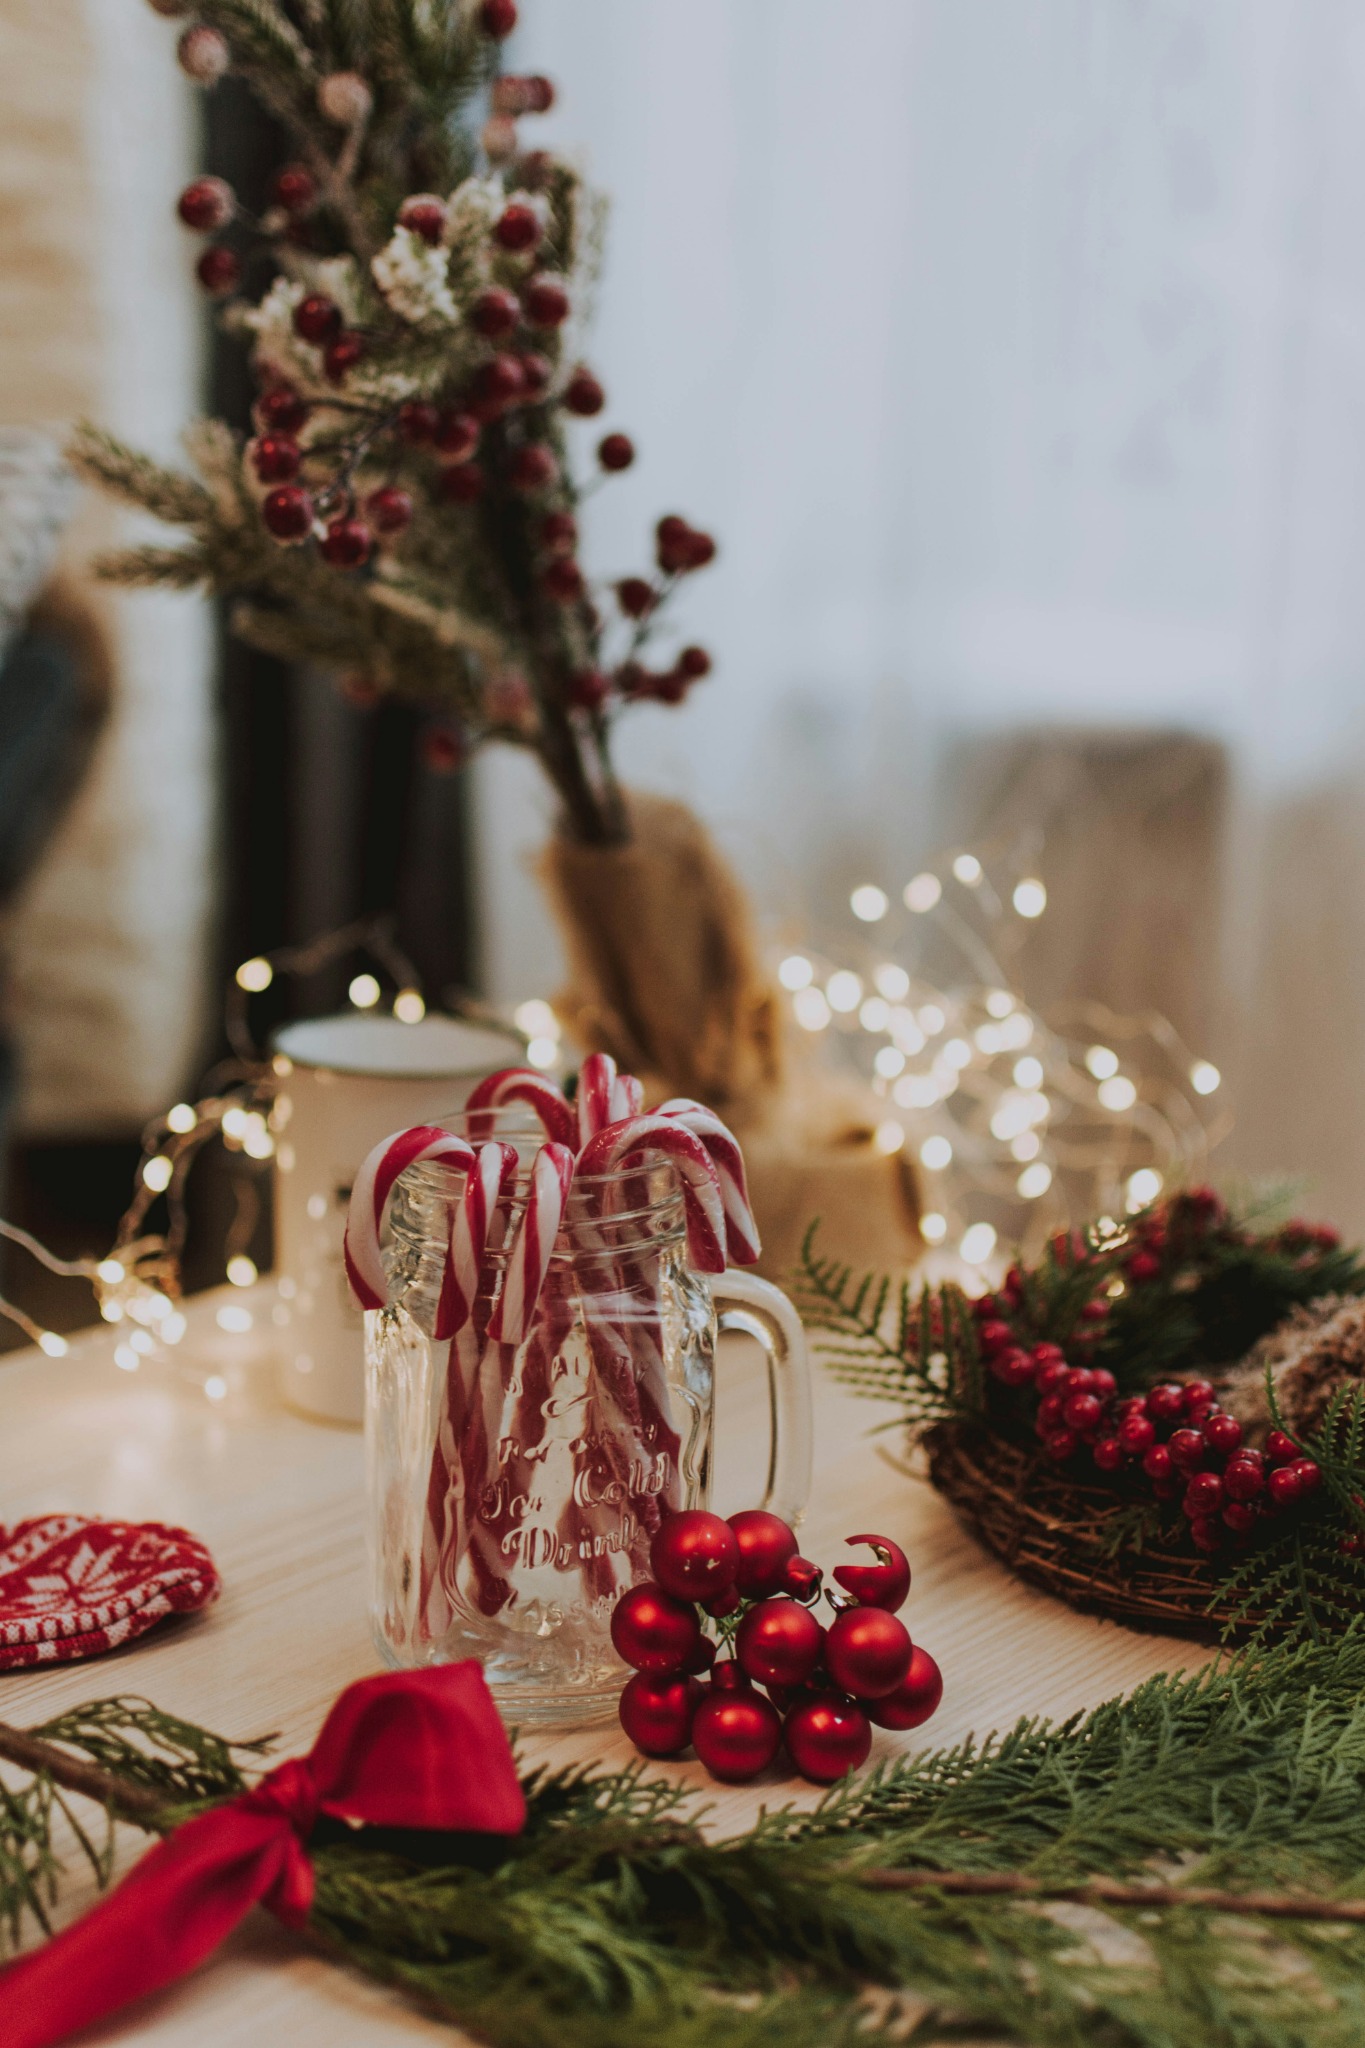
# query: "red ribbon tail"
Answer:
x=170 y=1912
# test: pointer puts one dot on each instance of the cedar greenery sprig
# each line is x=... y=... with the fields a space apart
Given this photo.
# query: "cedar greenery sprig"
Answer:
x=1212 y=1826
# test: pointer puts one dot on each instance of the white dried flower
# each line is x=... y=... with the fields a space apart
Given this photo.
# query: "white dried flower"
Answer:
x=412 y=277
x=345 y=97
x=473 y=207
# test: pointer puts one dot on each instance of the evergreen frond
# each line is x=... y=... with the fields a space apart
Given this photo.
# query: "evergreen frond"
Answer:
x=166 y=493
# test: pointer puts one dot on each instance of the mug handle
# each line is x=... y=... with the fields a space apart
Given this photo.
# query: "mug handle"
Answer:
x=755 y=1308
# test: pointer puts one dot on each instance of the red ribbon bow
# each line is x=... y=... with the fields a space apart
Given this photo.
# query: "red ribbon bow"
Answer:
x=411 y=1749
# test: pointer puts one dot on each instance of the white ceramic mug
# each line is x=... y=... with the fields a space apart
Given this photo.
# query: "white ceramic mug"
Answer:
x=345 y=1083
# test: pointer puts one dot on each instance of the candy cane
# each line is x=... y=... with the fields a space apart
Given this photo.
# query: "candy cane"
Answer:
x=522 y=1084
x=529 y=1260
x=637 y=1135
x=490 y=1182
x=371 y=1190
x=596 y=1088
x=627 y=1098
x=741 y=1232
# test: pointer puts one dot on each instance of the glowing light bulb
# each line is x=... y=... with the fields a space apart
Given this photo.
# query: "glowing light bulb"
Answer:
x=110 y=1271
x=235 y=1123
x=1028 y=1073
x=967 y=868
x=1204 y=1077
x=921 y=892
x=810 y=1009
x=1117 y=1094
x=112 y=1311
x=931 y=1020
x=143 y=1342
x=936 y=1153
x=543 y=1052
x=255 y=975
x=999 y=1002
x=796 y=972
x=875 y=1014
x=236 y=1321
x=988 y=1039
x=889 y=1062
x=157 y=1173
x=1030 y=897
x=408 y=1006
x=215 y=1386
x=957 y=1053
x=1143 y=1188
x=893 y=982
x=916 y=1091
x=1035 y=1180
x=173 y=1328
x=1102 y=1062
x=933 y=1228
x=241 y=1271
x=181 y=1117
x=978 y=1242
x=1026 y=1146
x=889 y=1137
x=1014 y=1031
x=125 y=1358
x=536 y=1018
x=904 y=1028
x=53 y=1345
x=869 y=903
x=364 y=992
x=844 y=991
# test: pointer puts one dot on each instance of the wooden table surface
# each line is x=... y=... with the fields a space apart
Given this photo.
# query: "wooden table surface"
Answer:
x=280 y=1502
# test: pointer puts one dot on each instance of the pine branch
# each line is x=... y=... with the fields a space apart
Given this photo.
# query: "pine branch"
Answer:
x=166 y=493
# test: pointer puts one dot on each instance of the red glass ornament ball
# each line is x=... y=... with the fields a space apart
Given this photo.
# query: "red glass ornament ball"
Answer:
x=340 y=357
x=656 y=1710
x=389 y=510
x=731 y=1599
x=735 y=1734
x=827 y=1737
x=728 y=1677
x=562 y=580
x=546 y=302
x=281 y=410
x=287 y=513
x=1165 y=1402
x=417 y=422
x=1280 y=1449
x=443 y=749
x=915 y=1698
x=1108 y=1453
x=294 y=189
x=1222 y=1433
x=694 y=1555
x=1204 y=1494
x=532 y=468
x=455 y=434
x=779 y=1642
x=652 y=1630
x=583 y=394
x=884 y=1584
x=1186 y=1447
x=1244 y=1477
x=347 y=544
x=635 y=596
x=694 y=663
x=765 y=1546
x=801 y=1579
x=559 y=533
x=424 y=215
x=494 y=312
x=867 y=1652
x=317 y=318
x=498 y=18
x=616 y=451
x=276 y=458
x=702 y=1658
x=461 y=484
x=1137 y=1433
x=517 y=227
x=219 y=271
x=206 y=205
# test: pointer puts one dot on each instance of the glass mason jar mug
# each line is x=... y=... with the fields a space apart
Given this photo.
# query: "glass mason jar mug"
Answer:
x=514 y=1489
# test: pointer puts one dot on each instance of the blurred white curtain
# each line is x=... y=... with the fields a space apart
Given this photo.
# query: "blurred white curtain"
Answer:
x=1016 y=351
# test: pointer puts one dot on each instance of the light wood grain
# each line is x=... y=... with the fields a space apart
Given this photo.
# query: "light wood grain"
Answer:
x=280 y=1502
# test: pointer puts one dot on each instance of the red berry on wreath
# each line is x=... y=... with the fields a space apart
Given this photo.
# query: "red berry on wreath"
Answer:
x=498 y=18
x=294 y=189
x=701 y=550
x=735 y=1734
x=500 y=382
x=1083 y=1413
x=1061 y=1444
x=1157 y=1463
x=1222 y=1433
x=635 y=597
x=562 y=580
x=455 y=434
x=884 y=1584
x=288 y=513
x=281 y=410
x=1103 y=1384
x=1186 y=1447
x=219 y=271
x=995 y=1336
x=1013 y=1368
x=801 y=1580
x=536 y=371
x=424 y=215
x=546 y=303
x=1240 y=1517
x=587 y=691
x=1283 y=1486
x=462 y=484
x=317 y=318
x=1307 y=1472
x=1195 y=1393
x=340 y=357
x=694 y=663
x=206 y=205
x=559 y=533
x=915 y=1698
x=1143 y=1266
x=1049 y=1416
x=494 y=312
x=765 y=1546
x=1280 y=1449
x=616 y=451
x=499 y=137
x=1051 y=1378
x=1136 y=1434
x=1204 y=1494
x=532 y=468
x=1165 y=1403
x=652 y=1630
x=779 y=1642
x=276 y=458
x=1048 y=1354
x=656 y=1710
x=694 y=1555
x=1244 y=1478
x=389 y=510
x=347 y=544
x=867 y=1652
x=583 y=394
x=417 y=422
x=1108 y=1453
x=827 y=1737
x=1095 y=1311
x=1205 y=1534
x=517 y=227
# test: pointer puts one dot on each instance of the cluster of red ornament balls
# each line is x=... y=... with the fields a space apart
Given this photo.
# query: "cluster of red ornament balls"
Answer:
x=822 y=1686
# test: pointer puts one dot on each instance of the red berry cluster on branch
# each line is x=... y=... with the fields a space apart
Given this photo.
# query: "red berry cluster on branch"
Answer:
x=788 y=1680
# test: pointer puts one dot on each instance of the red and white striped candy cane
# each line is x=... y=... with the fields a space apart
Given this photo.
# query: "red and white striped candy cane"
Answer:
x=741 y=1232
x=529 y=1259
x=369 y=1194
x=596 y=1086
x=490 y=1182
x=522 y=1084
x=627 y=1098
x=665 y=1137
